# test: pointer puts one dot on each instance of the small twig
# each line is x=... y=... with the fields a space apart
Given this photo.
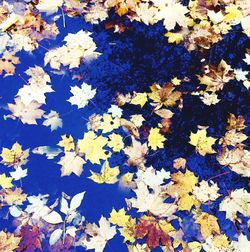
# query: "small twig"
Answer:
x=221 y=174
x=63 y=16
x=23 y=79
x=21 y=183
x=45 y=48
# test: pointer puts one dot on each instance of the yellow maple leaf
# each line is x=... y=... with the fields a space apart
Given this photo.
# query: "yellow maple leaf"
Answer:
x=14 y=156
x=67 y=143
x=202 y=143
x=5 y=182
x=208 y=225
x=92 y=146
x=174 y=37
x=186 y=202
x=139 y=99
x=128 y=231
x=115 y=142
x=155 y=139
x=8 y=242
x=119 y=218
x=184 y=183
x=109 y=123
x=126 y=180
x=137 y=120
x=108 y=175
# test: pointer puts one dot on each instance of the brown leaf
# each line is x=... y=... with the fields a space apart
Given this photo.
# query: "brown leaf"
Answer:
x=136 y=153
x=179 y=163
x=7 y=63
x=237 y=123
x=156 y=231
x=165 y=95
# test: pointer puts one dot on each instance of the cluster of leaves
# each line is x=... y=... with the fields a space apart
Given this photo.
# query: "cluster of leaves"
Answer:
x=136 y=127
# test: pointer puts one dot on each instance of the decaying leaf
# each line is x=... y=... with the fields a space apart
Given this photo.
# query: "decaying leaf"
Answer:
x=108 y=175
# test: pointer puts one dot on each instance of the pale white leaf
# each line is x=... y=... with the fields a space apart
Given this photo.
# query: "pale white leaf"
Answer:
x=76 y=201
x=55 y=236
x=53 y=218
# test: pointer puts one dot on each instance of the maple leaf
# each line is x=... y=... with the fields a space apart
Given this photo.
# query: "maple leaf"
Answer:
x=14 y=197
x=126 y=180
x=5 y=182
x=136 y=153
x=92 y=146
x=237 y=201
x=71 y=163
x=210 y=99
x=217 y=243
x=156 y=231
x=138 y=248
x=7 y=63
x=202 y=143
x=152 y=177
x=237 y=123
x=164 y=95
x=34 y=92
x=30 y=238
x=94 y=122
x=115 y=111
x=183 y=183
x=108 y=123
x=174 y=37
x=19 y=173
x=122 y=99
x=8 y=242
x=205 y=192
x=74 y=50
x=53 y=120
x=236 y=159
x=186 y=202
x=82 y=95
x=115 y=142
x=137 y=120
x=37 y=207
x=155 y=139
x=139 y=99
x=67 y=143
x=172 y=14
x=241 y=244
x=108 y=175
x=153 y=202
x=233 y=138
x=179 y=163
x=103 y=233
x=215 y=77
x=208 y=225
x=119 y=217
x=126 y=222
x=39 y=78
x=27 y=114
x=15 y=156
x=49 y=6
